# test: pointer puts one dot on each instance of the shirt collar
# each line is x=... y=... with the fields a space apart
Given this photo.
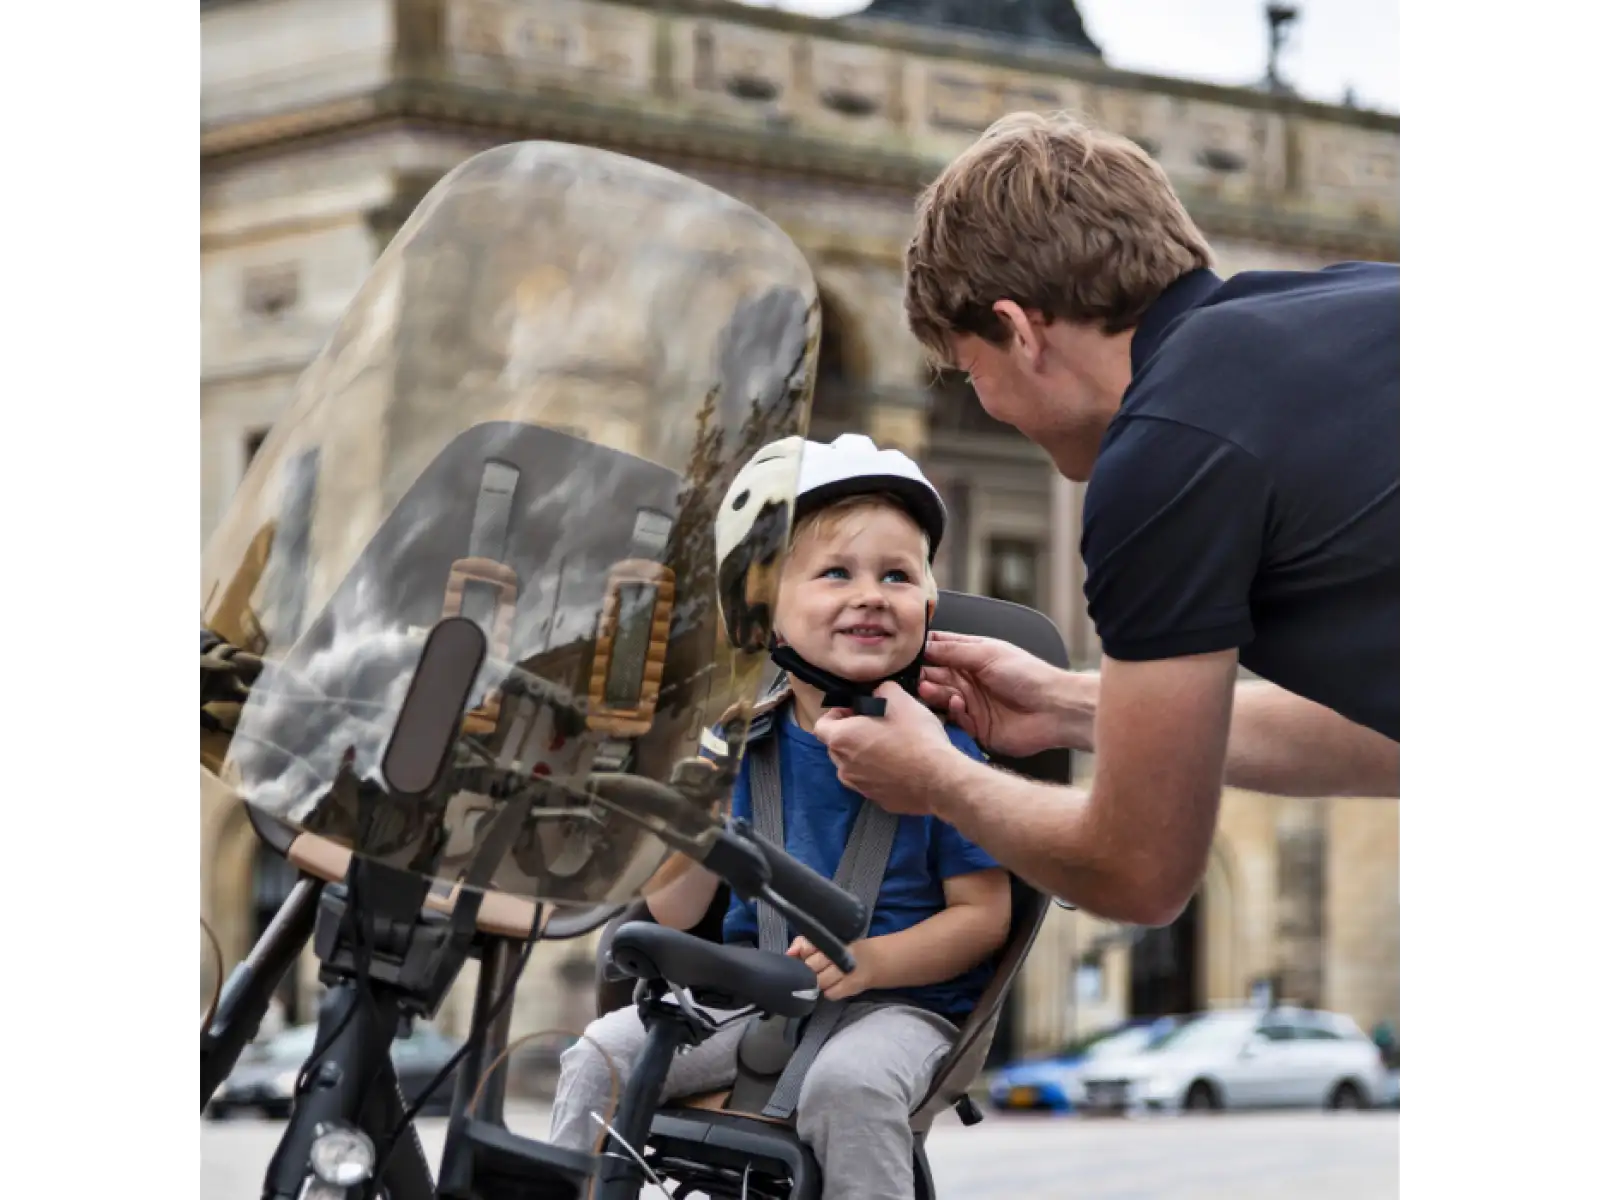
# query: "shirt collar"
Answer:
x=1184 y=293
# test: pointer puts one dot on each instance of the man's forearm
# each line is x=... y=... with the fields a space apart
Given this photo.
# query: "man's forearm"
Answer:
x=1046 y=833
x=1278 y=743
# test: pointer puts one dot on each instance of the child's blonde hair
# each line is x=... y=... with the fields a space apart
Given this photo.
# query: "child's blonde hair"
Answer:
x=830 y=517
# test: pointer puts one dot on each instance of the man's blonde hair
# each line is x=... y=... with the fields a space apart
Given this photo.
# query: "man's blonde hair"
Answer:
x=1076 y=223
x=828 y=519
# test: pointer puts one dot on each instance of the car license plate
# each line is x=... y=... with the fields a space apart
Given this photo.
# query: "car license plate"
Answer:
x=1023 y=1097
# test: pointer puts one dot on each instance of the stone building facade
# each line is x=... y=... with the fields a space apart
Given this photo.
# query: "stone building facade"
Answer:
x=324 y=121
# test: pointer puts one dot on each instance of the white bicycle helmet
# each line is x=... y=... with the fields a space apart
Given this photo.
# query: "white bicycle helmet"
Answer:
x=851 y=465
x=750 y=522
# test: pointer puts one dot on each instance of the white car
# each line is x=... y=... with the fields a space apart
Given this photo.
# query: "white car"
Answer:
x=1241 y=1058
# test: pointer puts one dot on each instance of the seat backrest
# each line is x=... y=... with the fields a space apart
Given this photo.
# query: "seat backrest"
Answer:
x=961 y=612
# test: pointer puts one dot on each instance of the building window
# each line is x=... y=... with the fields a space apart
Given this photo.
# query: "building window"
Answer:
x=1013 y=571
x=953 y=570
x=271 y=292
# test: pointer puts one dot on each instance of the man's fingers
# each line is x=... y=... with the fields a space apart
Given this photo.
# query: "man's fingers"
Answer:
x=829 y=722
x=963 y=655
x=834 y=722
x=952 y=703
x=949 y=635
x=964 y=720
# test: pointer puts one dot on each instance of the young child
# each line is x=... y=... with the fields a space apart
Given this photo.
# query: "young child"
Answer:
x=854 y=599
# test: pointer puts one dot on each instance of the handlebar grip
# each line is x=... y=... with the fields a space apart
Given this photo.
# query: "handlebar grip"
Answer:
x=835 y=909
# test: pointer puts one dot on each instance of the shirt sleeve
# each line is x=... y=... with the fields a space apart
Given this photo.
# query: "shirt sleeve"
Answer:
x=953 y=854
x=1174 y=523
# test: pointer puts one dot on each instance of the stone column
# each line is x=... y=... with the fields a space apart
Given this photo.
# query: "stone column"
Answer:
x=1045 y=987
x=1067 y=605
x=1302 y=874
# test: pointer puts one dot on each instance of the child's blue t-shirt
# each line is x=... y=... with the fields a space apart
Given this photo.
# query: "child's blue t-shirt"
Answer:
x=818 y=812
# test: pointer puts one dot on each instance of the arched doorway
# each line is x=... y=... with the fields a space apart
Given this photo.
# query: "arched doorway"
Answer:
x=1165 y=967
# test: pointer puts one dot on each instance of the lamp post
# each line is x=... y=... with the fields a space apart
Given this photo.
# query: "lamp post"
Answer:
x=1279 y=18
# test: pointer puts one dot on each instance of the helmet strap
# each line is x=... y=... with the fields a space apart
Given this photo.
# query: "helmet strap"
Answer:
x=838 y=692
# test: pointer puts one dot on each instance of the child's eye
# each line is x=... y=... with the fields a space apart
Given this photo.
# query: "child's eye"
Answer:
x=896 y=576
x=836 y=573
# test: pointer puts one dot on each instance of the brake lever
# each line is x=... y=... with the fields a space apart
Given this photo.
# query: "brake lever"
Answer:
x=815 y=932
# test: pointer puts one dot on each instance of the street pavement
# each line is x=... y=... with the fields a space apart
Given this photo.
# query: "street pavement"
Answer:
x=1231 y=1156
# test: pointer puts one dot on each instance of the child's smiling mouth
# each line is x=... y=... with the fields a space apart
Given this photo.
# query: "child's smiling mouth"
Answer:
x=866 y=635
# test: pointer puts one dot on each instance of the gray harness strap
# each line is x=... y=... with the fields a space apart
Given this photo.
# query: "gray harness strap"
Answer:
x=491 y=519
x=861 y=868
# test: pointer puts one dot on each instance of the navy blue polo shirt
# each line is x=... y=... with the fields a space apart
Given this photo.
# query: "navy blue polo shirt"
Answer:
x=1247 y=493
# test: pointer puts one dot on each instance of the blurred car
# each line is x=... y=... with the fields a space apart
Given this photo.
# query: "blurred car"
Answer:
x=1243 y=1058
x=1390 y=1096
x=263 y=1079
x=1048 y=1083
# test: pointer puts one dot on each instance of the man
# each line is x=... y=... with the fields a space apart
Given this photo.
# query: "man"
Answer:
x=1240 y=441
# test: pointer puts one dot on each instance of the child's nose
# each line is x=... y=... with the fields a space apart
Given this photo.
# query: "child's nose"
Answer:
x=870 y=595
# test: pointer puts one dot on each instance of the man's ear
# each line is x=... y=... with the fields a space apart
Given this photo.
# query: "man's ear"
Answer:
x=1027 y=337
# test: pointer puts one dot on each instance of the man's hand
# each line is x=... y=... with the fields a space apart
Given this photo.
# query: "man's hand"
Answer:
x=835 y=984
x=1008 y=700
x=896 y=759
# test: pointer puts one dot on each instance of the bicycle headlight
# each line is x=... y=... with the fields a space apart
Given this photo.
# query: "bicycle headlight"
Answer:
x=342 y=1156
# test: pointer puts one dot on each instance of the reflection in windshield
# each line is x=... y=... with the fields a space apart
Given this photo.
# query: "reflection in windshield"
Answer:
x=1209 y=1032
x=527 y=418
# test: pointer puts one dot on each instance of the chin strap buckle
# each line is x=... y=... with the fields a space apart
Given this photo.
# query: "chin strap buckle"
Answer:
x=842 y=693
x=862 y=706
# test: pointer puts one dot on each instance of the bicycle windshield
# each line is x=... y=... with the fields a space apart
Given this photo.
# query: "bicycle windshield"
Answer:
x=527 y=418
